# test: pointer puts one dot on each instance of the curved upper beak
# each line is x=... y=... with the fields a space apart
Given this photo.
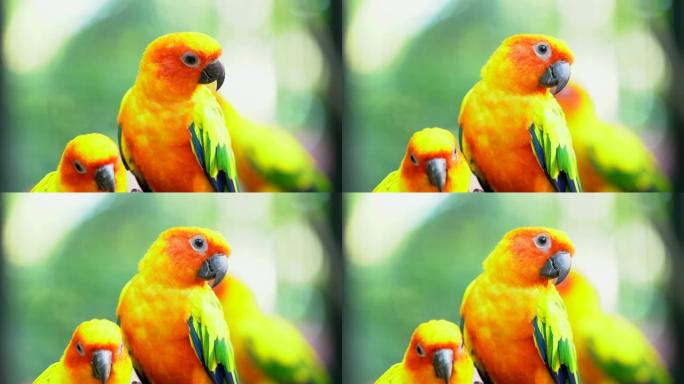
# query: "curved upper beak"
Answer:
x=557 y=75
x=437 y=172
x=214 y=268
x=557 y=267
x=104 y=178
x=102 y=364
x=443 y=362
x=214 y=71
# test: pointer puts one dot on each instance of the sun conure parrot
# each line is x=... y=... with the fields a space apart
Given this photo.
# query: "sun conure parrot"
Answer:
x=268 y=349
x=512 y=131
x=171 y=320
x=432 y=163
x=434 y=355
x=610 y=157
x=95 y=355
x=269 y=158
x=172 y=132
x=514 y=322
x=90 y=163
x=610 y=349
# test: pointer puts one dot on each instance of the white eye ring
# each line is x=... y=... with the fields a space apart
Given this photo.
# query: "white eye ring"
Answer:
x=199 y=243
x=190 y=59
x=79 y=167
x=542 y=241
x=420 y=351
x=79 y=349
x=543 y=50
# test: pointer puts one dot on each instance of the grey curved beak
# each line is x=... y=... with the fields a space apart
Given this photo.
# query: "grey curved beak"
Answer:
x=102 y=364
x=437 y=172
x=214 y=268
x=557 y=267
x=214 y=71
x=557 y=75
x=443 y=362
x=104 y=178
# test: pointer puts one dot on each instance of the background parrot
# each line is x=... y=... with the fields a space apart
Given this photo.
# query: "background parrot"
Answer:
x=268 y=349
x=95 y=355
x=172 y=132
x=514 y=322
x=171 y=320
x=610 y=157
x=432 y=163
x=610 y=349
x=512 y=131
x=434 y=355
x=270 y=159
x=90 y=163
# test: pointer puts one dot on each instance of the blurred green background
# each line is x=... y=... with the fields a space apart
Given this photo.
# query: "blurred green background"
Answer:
x=409 y=65
x=67 y=257
x=410 y=259
x=68 y=64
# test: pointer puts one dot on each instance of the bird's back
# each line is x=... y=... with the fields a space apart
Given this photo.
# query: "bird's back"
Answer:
x=49 y=183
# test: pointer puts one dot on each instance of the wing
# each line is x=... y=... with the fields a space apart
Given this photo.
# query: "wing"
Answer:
x=390 y=183
x=552 y=146
x=553 y=340
x=635 y=172
x=394 y=375
x=623 y=353
x=48 y=183
x=210 y=339
x=281 y=353
x=126 y=156
x=211 y=143
x=52 y=375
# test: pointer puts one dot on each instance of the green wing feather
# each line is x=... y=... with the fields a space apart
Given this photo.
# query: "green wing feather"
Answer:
x=553 y=339
x=210 y=339
x=552 y=146
x=211 y=142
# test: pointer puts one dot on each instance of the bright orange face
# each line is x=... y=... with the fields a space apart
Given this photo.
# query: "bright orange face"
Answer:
x=177 y=62
x=430 y=152
x=188 y=254
x=436 y=343
x=531 y=255
x=522 y=61
x=90 y=163
x=96 y=346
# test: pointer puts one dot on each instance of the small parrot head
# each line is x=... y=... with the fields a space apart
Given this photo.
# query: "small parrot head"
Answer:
x=91 y=163
x=574 y=99
x=431 y=153
x=173 y=65
x=529 y=63
x=187 y=256
x=531 y=255
x=94 y=351
x=434 y=353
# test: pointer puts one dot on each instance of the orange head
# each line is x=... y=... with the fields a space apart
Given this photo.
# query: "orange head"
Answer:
x=574 y=99
x=434 y=351
x=431 y=153
x=528 y=64
x=95 y=353
x=187 y=256
x=530 y=256
x=173 y=65
x=91 y=163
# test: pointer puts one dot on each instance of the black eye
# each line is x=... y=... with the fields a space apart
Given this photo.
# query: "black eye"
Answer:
x=79 y=349
x=413 y=159
x=543 y=50
x=420 y=351
x=79 y=167
x=190 y=59
x=198 y=243
x=542 y=241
